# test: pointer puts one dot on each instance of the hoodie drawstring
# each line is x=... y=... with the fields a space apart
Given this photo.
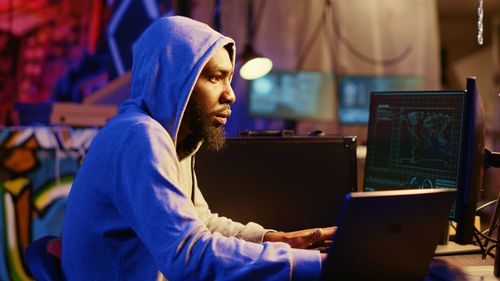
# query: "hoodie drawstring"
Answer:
x=192 y=179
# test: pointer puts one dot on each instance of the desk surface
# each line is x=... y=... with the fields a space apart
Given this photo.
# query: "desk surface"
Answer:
x=467 y=267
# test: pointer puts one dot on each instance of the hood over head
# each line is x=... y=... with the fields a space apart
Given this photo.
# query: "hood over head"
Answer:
x=167 y=60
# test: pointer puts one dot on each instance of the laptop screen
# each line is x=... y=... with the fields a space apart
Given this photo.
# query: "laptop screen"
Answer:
x=414 y=140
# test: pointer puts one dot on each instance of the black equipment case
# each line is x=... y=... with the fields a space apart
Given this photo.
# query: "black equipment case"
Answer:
x=281 y=182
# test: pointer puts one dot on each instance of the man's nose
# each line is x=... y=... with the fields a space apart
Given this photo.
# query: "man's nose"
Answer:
x=228 y=95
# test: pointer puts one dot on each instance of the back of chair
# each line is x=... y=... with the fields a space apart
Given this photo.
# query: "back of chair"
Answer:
x=43 y=258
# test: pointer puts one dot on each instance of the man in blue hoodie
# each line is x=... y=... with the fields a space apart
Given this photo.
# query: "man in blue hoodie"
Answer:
x=135 y=211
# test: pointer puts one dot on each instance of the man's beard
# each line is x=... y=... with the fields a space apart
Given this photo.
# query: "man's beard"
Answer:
x=203 y=128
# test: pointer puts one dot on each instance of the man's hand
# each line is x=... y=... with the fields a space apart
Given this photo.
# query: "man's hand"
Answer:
x=303 y=239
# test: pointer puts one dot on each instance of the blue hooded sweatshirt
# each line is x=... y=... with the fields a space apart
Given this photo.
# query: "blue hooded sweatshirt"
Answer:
x=129 y=214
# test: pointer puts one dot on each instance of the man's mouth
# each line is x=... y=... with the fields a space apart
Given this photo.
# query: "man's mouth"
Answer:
x=221 y=117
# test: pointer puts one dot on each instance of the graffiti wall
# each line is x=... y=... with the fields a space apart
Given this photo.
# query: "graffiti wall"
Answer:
x=37 y=167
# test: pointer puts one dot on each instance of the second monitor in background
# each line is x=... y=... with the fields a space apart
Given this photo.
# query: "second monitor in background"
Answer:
x=354 y=94
x=293 y=95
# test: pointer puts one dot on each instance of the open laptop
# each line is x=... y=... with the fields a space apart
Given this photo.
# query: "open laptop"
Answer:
x=388 y=235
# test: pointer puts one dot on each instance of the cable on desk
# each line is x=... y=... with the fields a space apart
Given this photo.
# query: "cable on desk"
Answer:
x=486 y=205
x=484 y=236
x=487 y=251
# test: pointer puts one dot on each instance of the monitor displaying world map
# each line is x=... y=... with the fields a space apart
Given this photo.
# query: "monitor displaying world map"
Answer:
x=414 y=140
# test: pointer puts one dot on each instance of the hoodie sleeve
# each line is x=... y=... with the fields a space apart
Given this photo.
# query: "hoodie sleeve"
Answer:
x=166 y=221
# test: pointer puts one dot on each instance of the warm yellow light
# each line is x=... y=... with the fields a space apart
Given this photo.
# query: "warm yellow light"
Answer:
x=255 y=68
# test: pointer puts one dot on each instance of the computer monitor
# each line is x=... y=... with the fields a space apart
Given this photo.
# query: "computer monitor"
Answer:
x=429 y=139
x=292 y=95
x=354 y=94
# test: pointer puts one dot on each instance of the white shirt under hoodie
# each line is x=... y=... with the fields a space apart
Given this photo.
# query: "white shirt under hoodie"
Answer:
x=129 y=214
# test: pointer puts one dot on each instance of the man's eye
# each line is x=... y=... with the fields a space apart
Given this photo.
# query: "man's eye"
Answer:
x=215 y=78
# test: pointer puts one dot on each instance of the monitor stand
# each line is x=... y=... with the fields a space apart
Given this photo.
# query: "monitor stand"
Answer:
x=447 y=247
x=452 y=248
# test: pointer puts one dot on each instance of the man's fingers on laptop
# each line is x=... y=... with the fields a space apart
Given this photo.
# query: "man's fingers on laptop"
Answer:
x=328 y=232
x=321 y=235
x=303 y=238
